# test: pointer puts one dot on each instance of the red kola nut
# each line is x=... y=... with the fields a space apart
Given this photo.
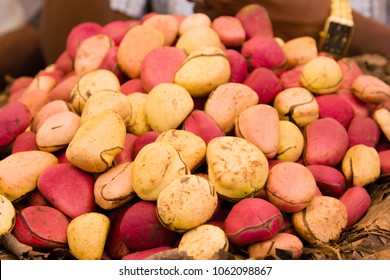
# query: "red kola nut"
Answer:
x=252 y=220
x=357 y=201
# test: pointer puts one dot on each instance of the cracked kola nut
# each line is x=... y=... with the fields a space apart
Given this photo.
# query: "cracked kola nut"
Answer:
x=322 y=221
x=46 y=111
x=326 y=141
x=281 y=241
x=186 y=202
x=321 y=75
x=41 y=227
x=227 y=101
x=330 y=180
x=89 y=83
x=290 y=186
x=166 y=106
x=297 y=105
x=370 y=89
x=87 y=235
x=156 y=165
x=263 y=134
x=251 y=220
x=8 y=215
x=191 y=147
x=361 y=165
x=137 y=123
x=204 y=69
x=236 y=168
x=68 y=189
x=97 y=142
x=357 y=201
x=291 y=141
x=57 y=131
x=19 y=172
x=203 y=242
x=114 y=188
x=107 y=100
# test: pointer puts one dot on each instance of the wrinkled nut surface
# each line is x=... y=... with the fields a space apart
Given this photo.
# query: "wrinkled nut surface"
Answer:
x=156 y=165
x=191 y=147
x=321 y=221
x=57 y=131
x=203 y=242
x=227 y=101
x=7 y=214
x=281 y=241
x=361 y=165
x=297 y=105
x=87 y=235
x=204 y=69
x=114 y=187
x=89 y=83
x=19 y=172
x=97 y=142
x=321 y=75
x=186 y=202
x=291 y=141
x=107 y=100
x=166 y=106
x=290 y=186
x=236 y=167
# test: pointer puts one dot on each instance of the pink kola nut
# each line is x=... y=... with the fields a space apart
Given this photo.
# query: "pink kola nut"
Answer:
x=110 y=62
x=63 y=89
x=359 y=107
x=117 y=29
x=15 y=117
x=326 y=142
x=230 y=30
x=363 y=130
x=291 y=78
x=41 y=227
x=203 y=125
x=131 y=86
x=265 y=83
x=357 y=201
x=140 y=228
x=68 y=188
x=330 y=180
x=264 y=51
x=290 y=186
x=251 y=220
x=255 y=20
x=334 y=106
x=78 y=34
x=26 y=141
x=160 y=66
x=238 y=66
x=384 y=157
x=125 y=155
x=350 y=71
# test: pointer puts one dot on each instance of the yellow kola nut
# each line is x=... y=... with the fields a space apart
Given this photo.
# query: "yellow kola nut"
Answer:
x=291 y=141
x=7 y=214
x=87 y=235
x=361 y=165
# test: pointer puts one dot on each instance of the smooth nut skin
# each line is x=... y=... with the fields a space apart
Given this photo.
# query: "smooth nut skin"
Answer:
x=198 y=36
x=8 y=215
x=357 y=201
x=291 y=141
x=251 y=220
x=381 y=115
x=370 y=89
x=297 y=105
x=361 y=165
x=300 y=50
x=87 y=235
x=137 y=123
x=281 y=241
x=156 y=165
x=186 y=202
x=321 y=75
x=204 y=69
x=321 y=221
x=290 y=186
x=202 y=242
x=236 y=168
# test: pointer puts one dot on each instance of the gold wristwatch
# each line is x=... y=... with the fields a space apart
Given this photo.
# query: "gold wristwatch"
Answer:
x=337 y=34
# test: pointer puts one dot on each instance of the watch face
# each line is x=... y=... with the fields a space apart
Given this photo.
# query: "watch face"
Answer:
x=337 y=39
